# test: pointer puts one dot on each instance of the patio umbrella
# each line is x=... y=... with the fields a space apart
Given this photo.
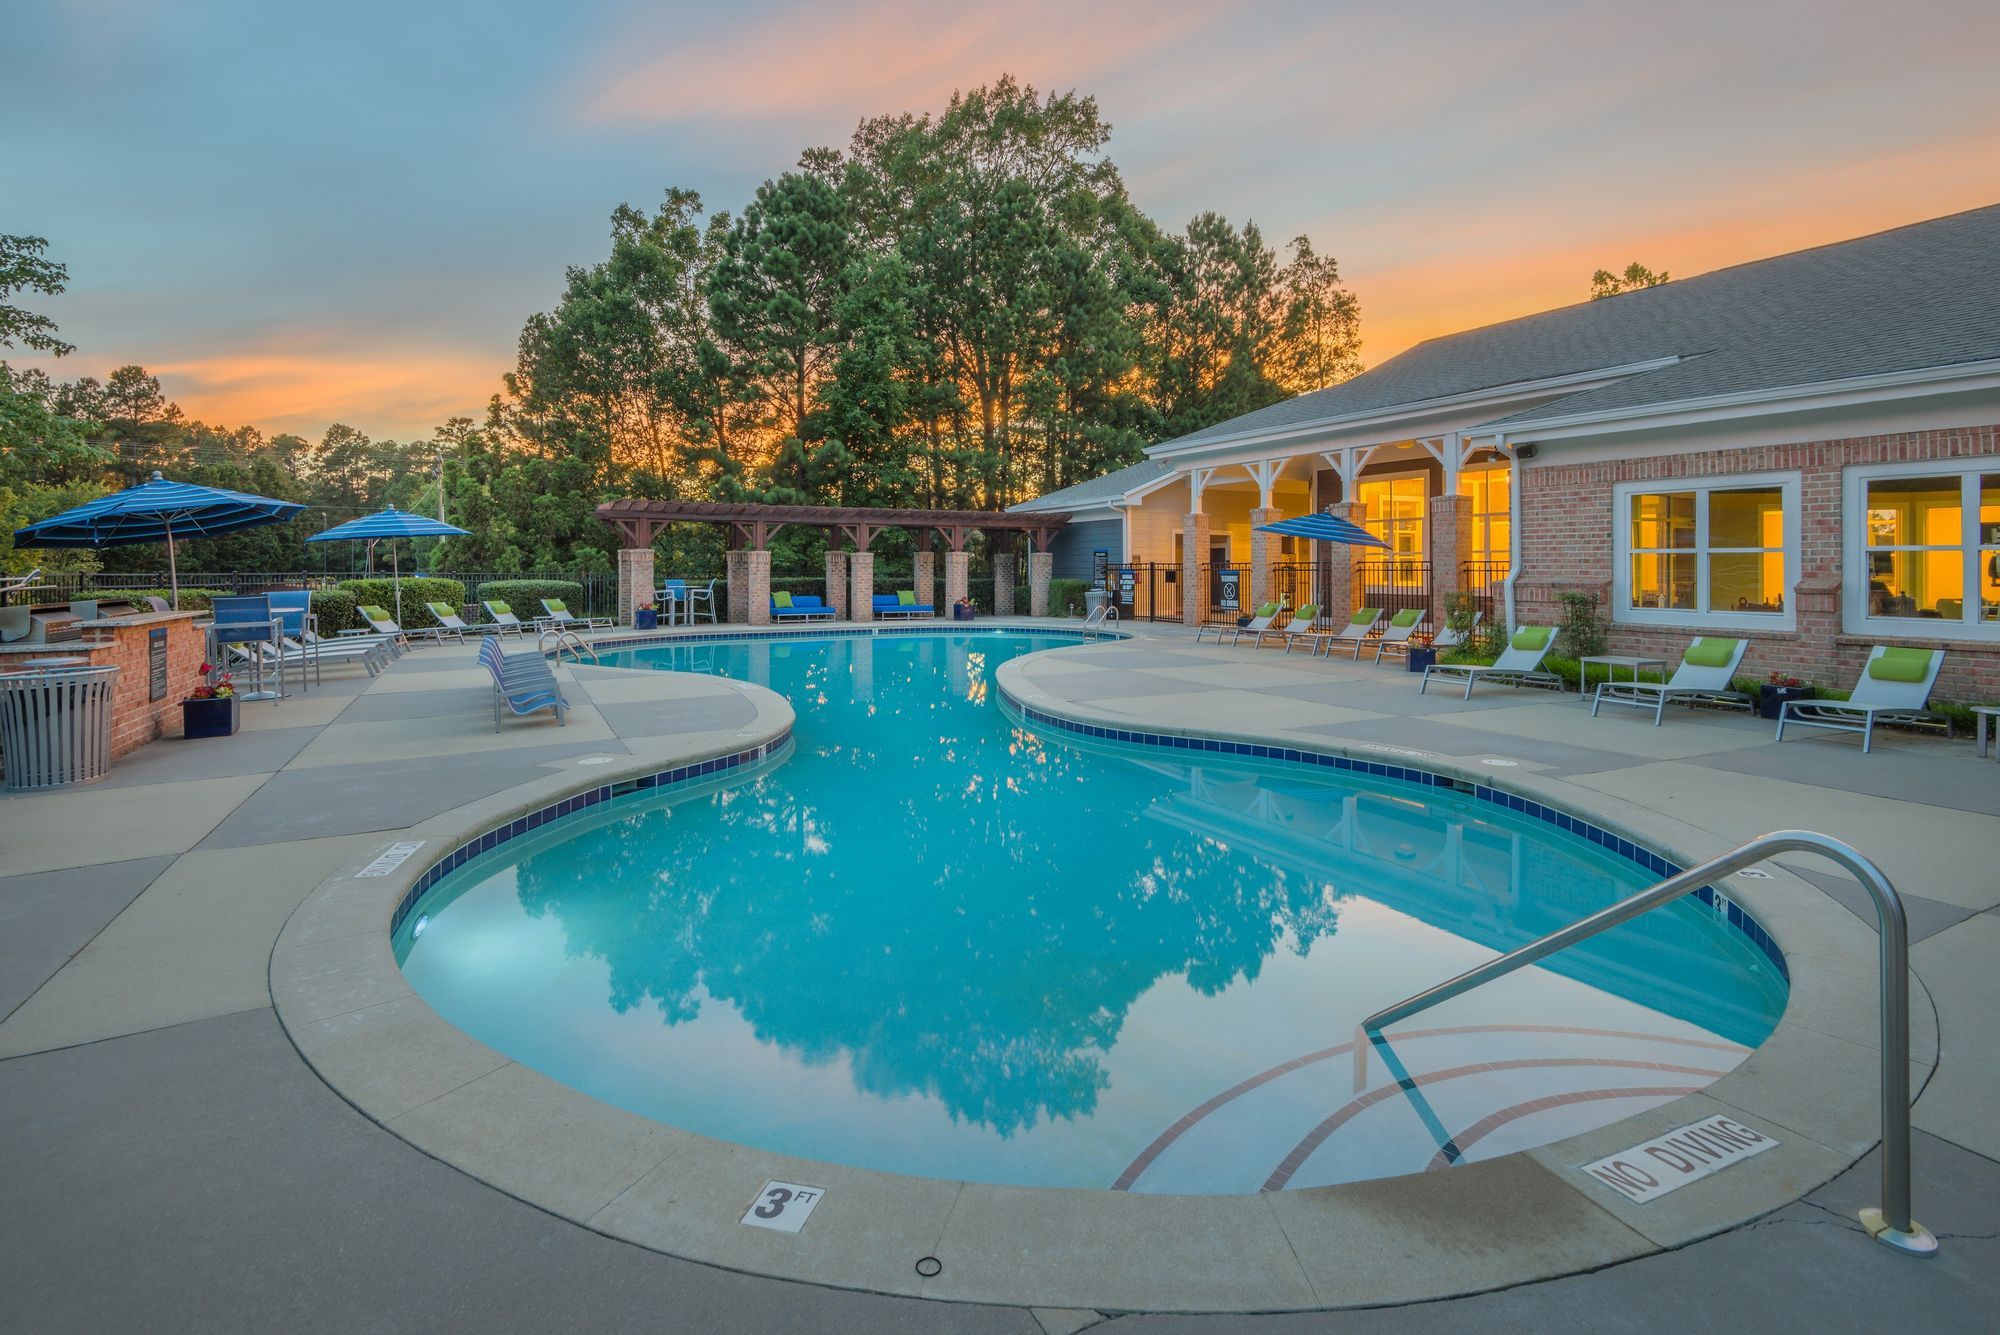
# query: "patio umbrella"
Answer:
x=390 y=523
x=156 y=511
x=1325 y=528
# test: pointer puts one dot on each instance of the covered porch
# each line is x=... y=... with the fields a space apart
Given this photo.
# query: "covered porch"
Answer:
x=850 y=563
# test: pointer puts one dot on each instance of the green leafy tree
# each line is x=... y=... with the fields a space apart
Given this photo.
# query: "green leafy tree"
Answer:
x=1605 y=283
x=1319 y=341
x=22 y=269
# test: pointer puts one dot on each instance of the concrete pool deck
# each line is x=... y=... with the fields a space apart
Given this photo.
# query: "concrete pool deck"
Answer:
x=168 y=1150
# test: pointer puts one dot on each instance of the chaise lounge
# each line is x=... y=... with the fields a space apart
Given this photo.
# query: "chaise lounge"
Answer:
x=1520 y=664
x=1703 y=677
x=901 y=604
x=1895 y=687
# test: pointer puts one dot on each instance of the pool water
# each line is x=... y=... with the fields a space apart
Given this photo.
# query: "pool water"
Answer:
x=930 y=940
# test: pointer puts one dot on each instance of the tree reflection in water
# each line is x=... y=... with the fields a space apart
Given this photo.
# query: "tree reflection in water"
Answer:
x=957 y=907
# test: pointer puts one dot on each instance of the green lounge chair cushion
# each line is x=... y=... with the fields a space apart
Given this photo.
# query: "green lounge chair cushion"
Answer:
x=1708 y=651
x=1895 y=664
x=554 y=605
x=781 y=599
x=500 y=609
x=1532 y=638
x=440 y=611
x=906 y=597
x=1367 y=616
x=374 y=613
x=1266 y=610
x=1409 y=616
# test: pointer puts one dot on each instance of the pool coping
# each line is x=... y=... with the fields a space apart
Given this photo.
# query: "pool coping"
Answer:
x=352 y=1017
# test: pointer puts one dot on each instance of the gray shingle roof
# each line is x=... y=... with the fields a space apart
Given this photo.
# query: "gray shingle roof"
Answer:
x=1919 y=296
x=1100 y=490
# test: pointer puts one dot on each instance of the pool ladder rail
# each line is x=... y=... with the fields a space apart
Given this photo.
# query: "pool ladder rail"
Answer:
x=567 y=642
x=1889 y=1223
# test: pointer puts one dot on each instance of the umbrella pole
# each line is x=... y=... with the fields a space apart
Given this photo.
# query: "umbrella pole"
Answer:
x=396 y=567
x=173 y=570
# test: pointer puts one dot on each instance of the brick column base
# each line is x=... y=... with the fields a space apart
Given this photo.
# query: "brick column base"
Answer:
x=757 y=587
x=736 y=570
x=635 y=581
x=1336 y=593
x=924 y=577
x=1263 y=552
x=836 y=582
x=1003 y=584
x=861 y=579
x=1194 y=551
x=957 y=579
x=1041 y=569
x=1451 y=548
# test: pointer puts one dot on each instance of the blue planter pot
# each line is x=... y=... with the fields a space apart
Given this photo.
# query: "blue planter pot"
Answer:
x=646 y=618
x=209 y=718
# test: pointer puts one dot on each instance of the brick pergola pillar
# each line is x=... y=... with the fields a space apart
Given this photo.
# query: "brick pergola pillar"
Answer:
x=1003 y=581
x=757 y=585
x=836 y=580
x=1336 y=595
x=736 y=567
x=1263 y=553
x=861 y=579
x=635 y=581
x=1194 y=551
x=957 y=578
x=1041 y=569
x=924 y=574
x=1451 y=548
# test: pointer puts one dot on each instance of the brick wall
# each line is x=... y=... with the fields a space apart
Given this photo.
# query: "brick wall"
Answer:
x=136 y=720
x=1567 y=543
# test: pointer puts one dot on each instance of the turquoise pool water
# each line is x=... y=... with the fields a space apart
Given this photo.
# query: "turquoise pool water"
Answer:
x=931 y=940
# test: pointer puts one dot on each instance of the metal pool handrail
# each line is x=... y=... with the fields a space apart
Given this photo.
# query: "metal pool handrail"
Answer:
x=1891 y=1223
x=566 y=641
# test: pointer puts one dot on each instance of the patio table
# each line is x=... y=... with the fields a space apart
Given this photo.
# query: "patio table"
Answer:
x=1985 y=715
x=1635 y=664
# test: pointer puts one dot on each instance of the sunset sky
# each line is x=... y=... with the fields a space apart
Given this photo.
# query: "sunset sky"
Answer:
x=297 y=214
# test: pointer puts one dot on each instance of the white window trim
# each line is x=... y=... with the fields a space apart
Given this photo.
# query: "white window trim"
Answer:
x=1622 y=611
x=1854 y=555
x=1423 y=518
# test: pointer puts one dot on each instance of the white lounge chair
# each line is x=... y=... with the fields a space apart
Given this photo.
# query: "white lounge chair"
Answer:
x=449 y=621
x=1706 y=670
x=560 y=616
x=1396 y=635
x=1448 y=638
x=1352 y=635
x=502 y=616
x=1895 y=686
x=1298 y=630
x=1264 y=614
x=1520 y=663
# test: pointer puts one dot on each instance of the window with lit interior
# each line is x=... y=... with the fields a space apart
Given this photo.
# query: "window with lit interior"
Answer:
x=1924 y=549
x=1722 y=553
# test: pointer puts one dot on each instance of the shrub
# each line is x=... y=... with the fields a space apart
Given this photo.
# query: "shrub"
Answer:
x=192 y=600
x=525 y=595
x=417 y=590
x=1582 y=625
x=334 y=609
x=1066 y=597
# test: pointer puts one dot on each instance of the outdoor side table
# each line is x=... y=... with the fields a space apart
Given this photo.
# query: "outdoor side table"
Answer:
x=1635 y=664
x=1986 y=714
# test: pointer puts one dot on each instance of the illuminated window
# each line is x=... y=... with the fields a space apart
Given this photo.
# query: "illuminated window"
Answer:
x=1923 y=544
x=1492 y=516
x=1719 y=553
x=1394 y=510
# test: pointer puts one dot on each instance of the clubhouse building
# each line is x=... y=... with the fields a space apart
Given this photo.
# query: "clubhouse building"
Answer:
x=1801 y=450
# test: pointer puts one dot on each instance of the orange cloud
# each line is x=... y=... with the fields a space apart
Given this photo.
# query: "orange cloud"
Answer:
x=385 y=391
x=894 y=56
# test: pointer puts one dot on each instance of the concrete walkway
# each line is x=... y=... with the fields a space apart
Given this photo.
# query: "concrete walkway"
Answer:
x=168 y=1162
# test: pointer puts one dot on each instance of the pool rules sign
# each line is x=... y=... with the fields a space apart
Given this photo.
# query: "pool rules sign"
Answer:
x=1655 y=1167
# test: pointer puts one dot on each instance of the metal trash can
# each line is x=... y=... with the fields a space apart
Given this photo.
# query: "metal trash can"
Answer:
x=55 y=726
x=1094 y=599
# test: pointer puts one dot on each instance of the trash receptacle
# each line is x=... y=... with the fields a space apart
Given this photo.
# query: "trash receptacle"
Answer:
x=55 y=726
x=1094 y=599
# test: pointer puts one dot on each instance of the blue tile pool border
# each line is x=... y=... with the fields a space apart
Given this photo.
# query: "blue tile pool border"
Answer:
x=486 y=841
x=1609 y=840
x=668 y=639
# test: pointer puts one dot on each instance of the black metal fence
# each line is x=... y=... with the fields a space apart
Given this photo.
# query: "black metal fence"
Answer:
x=1392 y=583
x=600 y=587
x=1484 y=580
x=1146 y=591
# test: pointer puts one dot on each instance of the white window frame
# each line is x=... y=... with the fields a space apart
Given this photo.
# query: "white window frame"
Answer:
x=1423 y=519
x=1622 y=611
x=1854 y=556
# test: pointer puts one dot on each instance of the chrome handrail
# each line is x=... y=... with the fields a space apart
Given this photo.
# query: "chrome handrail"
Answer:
x=1891 y=1223
x=565 y=640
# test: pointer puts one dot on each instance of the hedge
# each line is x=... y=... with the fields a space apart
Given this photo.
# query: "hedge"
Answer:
x=334 y=610
x=1066 y=597
x=192 y=600
x=525 y=595
x=416 y=592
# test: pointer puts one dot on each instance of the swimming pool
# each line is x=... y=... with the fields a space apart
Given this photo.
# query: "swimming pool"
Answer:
x=932 y=939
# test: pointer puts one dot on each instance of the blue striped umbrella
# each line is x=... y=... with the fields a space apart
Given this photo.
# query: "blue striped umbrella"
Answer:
x=156 y=511
x=391 y=523
x=1325 y=528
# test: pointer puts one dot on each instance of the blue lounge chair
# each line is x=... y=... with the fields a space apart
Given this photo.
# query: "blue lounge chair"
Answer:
x=525 y=682
x=902 y=604
x=798 y=607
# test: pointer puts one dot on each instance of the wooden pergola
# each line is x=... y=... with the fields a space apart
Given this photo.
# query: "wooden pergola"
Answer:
x=850 y=574
x=751 y=523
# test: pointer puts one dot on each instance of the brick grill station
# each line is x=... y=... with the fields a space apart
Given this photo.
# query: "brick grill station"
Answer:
x=126 y=643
